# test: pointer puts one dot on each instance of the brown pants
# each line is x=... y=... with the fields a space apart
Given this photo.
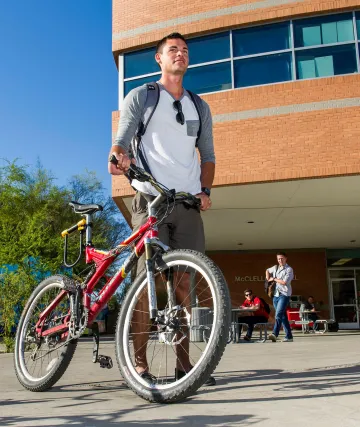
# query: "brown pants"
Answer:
x=181 y=229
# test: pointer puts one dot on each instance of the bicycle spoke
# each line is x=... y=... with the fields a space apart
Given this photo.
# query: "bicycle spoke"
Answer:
x=149 y=346
x=38 y=358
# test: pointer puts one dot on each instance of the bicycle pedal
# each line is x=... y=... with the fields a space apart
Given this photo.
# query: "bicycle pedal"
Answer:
x=105 y=361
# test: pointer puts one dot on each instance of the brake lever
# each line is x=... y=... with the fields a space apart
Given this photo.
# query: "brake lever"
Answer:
x=131 y=173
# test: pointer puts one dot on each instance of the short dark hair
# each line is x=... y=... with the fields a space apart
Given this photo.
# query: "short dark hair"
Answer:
x=248 y=291
x=281 y=253
x=310 y=296
x=171 y=36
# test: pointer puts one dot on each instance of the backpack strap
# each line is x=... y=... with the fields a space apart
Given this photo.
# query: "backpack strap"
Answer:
x=152 y=100
x=199 y=108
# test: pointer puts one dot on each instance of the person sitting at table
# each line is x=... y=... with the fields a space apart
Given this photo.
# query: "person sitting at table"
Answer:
x=309 y=305
x=256 y=313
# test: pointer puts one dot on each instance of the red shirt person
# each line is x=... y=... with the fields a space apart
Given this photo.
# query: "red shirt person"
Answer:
x=257 y=313
x=254 y=303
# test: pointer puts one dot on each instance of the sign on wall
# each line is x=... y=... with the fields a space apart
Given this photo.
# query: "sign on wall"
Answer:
x=253 y=278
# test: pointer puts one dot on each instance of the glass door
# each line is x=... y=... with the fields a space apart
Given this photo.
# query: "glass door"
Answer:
x=345 y=297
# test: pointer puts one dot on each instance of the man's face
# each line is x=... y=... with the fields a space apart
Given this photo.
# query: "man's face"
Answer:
x=174 y=58
x=281 y=259
x=311 y=300
x=249 y=296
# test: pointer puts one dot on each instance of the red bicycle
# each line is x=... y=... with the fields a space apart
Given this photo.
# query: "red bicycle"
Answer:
x=175 y=313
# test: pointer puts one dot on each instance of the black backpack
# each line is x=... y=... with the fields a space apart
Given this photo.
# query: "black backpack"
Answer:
x=152 y=100
x=265 y=305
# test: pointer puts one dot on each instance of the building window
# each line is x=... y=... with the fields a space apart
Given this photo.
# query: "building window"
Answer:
x=209 y=48
x=358 y=24
x=132 y=84
x=262 y=70
x=269 y=38
x=139 y=63
x=299 y=49
x=323 y=30
x=210 y=78
x=325 y=62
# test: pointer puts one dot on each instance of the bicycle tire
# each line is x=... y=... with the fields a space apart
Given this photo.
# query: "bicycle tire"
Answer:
x=59 y=365
x=214 y=348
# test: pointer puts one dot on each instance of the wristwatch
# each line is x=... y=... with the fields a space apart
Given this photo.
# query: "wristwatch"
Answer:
x=206 y=191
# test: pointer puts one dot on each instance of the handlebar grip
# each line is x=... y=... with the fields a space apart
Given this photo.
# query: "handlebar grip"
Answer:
x=113 y=160
x=132 y=168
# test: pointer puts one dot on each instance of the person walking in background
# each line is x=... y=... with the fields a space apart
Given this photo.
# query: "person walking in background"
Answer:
x=282 y=274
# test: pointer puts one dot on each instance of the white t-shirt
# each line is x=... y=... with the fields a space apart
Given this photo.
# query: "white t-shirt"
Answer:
x=169 y=147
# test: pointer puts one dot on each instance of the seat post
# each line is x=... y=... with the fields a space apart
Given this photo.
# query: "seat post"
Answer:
x=88 y=229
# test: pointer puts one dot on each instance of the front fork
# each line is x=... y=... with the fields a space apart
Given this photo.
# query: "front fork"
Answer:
x=149 y=244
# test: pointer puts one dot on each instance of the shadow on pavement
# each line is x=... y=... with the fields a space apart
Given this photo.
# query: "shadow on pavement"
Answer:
x=327 y=381
x=274 y=385
x=113 y=418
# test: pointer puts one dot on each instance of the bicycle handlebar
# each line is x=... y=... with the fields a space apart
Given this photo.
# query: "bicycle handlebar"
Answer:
x=141 y=175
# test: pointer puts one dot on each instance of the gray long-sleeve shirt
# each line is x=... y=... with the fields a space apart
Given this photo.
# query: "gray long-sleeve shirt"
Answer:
x=169 y=147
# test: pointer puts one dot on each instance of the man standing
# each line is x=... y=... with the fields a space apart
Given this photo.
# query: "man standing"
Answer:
x=282 y=274
x=168 y=147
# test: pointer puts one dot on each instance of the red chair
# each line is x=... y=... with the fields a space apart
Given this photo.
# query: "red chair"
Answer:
x=293 y=315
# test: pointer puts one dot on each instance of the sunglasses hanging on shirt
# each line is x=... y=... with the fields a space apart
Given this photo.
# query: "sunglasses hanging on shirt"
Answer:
x=180 y=118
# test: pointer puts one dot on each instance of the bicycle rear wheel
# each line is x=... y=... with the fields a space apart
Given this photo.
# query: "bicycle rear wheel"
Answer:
x=41 y=361
x=178 y=357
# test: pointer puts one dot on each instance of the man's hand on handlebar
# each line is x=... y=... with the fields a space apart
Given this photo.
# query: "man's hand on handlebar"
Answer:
x=205 y=201
x=122 y=166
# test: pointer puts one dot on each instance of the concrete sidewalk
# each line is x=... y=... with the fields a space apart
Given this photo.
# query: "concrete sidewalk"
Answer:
x=314 y=381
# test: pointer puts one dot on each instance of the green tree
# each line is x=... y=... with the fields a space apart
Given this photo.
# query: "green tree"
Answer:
x=33 y=212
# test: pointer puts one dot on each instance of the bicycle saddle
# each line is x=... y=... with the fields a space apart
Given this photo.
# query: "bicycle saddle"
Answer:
x=85 y=209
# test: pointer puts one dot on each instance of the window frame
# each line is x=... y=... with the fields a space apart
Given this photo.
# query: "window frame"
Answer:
x=232 y=58
x=300 y=18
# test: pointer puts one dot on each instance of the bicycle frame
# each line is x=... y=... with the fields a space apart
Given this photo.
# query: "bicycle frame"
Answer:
x=148 y=233
x=103 y=260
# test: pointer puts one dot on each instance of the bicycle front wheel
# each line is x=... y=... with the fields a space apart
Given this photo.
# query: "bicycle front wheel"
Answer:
x=182 y=347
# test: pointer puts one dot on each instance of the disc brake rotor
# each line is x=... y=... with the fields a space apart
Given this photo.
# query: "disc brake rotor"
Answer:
x=170 y=331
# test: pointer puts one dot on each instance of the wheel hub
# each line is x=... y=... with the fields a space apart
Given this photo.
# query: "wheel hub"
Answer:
x=171 y=325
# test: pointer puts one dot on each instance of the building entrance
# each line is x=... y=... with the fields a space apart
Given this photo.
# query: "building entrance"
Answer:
x=345 y=289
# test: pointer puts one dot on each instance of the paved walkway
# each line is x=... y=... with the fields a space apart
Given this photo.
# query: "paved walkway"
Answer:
x=314 y=381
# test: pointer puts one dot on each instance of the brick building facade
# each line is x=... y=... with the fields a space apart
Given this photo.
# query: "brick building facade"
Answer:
x=287 y=153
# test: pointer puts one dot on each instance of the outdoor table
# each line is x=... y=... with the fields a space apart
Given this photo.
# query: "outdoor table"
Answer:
x=305 y=314
x=235 y=323
x=304 y=319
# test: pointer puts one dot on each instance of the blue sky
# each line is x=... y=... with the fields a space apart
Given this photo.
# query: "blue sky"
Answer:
x=58 y=85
